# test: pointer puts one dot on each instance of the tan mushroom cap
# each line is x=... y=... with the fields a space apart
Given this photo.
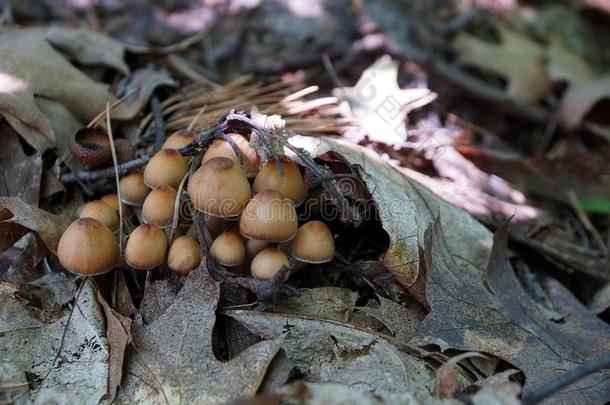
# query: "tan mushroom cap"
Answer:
x=104 y=213
x=313 y=243
x=219 y=188
x=269 y=216
x=220 y=147
x=228 y=249
x=254 y=247
x=112 y=200
x=88 y=247
x=146 y=247
x=158 y=207
x=166 y=167
x=184 y=254
x=133 y=189
x=178 y=139
x=291 y=185
x=267 y=263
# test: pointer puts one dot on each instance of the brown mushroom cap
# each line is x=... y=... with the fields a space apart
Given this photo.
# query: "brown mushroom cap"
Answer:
x=104 y=213
x=146 y=247
x=112 y=200
x=220 y=147
x=178 y=139
x=291 y=185
x=184 y=254
x=270 y=217
x=219 y=188
x=166 y=167
x=133 y=189
x=228 y=249
x=313 y=243
x=254 y=247
x=158 y=207
x=267 y=263
x=88 y=247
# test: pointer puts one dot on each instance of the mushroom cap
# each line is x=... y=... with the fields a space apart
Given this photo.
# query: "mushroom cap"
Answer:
x=267 y=263
x=104 y=213
x=158 y=207
x=220 y=147
x=184 y=254
x=112 y=200
x=178 y=139
x=88 y=247
x=291 y=185
x=146 y=247
x=133 y=189
x=219 y=188
x=228 y=249
x=166 y=167
x=254 y=247
x=313 y=243
x=270 y=217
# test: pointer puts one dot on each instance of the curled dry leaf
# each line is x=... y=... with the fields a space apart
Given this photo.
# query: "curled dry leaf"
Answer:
x=32 y=69
x=53 y=362
x=489 y=311
x=18 y=218
x=333 y=303
x=406 y=210
x=171 y=359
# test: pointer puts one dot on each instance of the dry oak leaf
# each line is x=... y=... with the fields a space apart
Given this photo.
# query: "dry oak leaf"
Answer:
x=516 y=58
x=490 y=312
x=171 y=359
x=406 y=209
x=585 y=87
x=33 y=68
x=18 y=218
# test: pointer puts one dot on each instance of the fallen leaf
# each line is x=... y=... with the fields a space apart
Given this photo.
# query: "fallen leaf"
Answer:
x=401 y=321
x=601 y=300
x=517 y=58
x=507 y=394
x=585 y=88
x=447 y=375
x=20 y=175
x=332 y=352
x=65 y=361
x=406 y=209
x=32 y=69
x=117 y=333
x=18 y=218
x=379 y=105
x=332 y=303
x=490 y=312
x=143 y=82
x=171 y=358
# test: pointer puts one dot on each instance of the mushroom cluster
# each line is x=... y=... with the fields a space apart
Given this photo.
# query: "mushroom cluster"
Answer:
x=251 y=213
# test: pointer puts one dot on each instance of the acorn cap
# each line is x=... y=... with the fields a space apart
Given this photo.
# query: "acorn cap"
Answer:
x=178 y=139
x=291 y=185
x=158 y=207
x=91 y=146
x=270 y=217
x=220 y=147
x=166 y=167
x=146 y=247
x=104 y=213
x=219 y=188
x=184 y=254
x=88 y=247
x=267 y=263
x=228 y=249
x=133 y=189
x=313 y=243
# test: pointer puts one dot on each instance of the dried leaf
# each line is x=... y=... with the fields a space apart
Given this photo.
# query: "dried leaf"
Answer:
x=447 y=376
x=144 y=81
x=332 y=303
x=406 y=209
x=497 y=316
x=517 y=58
x=379 y=105
x=19 y=174
x=57 y=362
x=17 y=218
x=31 y=68
x=171 y=359
x=401 y=321
x=328 y=351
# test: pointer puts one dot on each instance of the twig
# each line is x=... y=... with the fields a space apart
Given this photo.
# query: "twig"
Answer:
x=155 y=106
x=567 y=378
